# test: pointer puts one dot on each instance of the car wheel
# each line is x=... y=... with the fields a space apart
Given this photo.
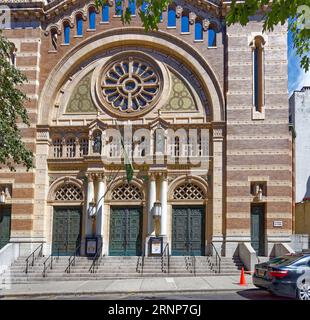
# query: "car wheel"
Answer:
x=303 y=293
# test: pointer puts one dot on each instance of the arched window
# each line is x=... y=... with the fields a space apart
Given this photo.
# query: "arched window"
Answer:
x=105 y=13
x=54 y=39
x=172 y=19
x=92 y=19
x=258 y=74
x=132 y=6
x=144 y=6
x=57 y=148
x=79 y=25
x=118 y=7
x=185 y=24
x=83 y=147
x=69 y=192
x=211 y=37
x=188 y=191
x=66 y=33
x=70 y=148
x=127 y=191
x=198 y=31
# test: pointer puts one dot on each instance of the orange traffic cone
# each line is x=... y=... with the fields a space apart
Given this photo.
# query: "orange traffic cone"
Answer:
x=242 y=278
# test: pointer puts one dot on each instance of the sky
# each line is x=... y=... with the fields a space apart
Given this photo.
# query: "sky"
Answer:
x=297 y=78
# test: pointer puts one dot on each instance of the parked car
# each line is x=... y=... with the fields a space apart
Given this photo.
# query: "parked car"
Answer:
x=287 y=276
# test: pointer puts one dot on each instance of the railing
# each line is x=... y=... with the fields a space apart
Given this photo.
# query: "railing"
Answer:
x=96 y=260
x=48 y=263
x=72 y=259
x=217 y=258
x=32 y=255
x=190 y=260
x=165 y=260
x=140 y=262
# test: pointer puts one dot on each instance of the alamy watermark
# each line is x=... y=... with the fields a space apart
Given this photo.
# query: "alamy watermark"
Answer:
x=303 y=21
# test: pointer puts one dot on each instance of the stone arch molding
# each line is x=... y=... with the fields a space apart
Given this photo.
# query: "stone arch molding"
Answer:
x=62 y=182
x=107 y=40
x=120 y=181
x=198 y=181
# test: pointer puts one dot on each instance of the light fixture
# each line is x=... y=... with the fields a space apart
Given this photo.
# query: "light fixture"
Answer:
x=2 y=197
x=157 y=209
x=92 y=209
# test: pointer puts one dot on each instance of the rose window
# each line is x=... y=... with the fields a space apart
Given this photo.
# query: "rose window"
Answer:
x=130 y=85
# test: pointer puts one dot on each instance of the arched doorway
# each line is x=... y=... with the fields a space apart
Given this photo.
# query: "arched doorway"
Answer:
x=67 y=218
x=188 y=220
x=126 y=221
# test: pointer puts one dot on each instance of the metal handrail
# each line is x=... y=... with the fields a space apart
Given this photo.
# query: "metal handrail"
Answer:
x=190 y=261
x=33 y=256
x=141 y=264
x=72 y=260
x=166 y=253
x=217 y=258
x=96 y=260
x=51 y=257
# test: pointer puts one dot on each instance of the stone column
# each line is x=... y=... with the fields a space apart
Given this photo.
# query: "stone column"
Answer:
x=100 y=206
x=217 y=185
x=164 y=204
x=152 y=200
x=90 y=198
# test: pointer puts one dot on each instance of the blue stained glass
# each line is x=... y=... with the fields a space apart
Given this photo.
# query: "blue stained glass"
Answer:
x=144 y=6
x=185 y=24
x=132 y=7
x=172 y=20
x=92 y=20
x=198 y=31
x=67 y=34
x=79 y=26
x=211 y=38
x=105 y=13
x=118 y=7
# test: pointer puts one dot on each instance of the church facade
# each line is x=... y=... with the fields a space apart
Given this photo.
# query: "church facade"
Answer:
x=198 y=110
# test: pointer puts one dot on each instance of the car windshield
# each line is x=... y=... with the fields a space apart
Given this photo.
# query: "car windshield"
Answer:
x=284 y=260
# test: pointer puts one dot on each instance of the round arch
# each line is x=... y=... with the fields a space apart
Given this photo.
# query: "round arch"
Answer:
x=199 y=182
x=121 y=181
x=160 y=41
x=62 y=182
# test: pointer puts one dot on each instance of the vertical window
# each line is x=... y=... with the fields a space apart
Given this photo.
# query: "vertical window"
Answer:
x=132 y=6
x=54 y=39
x=198 y=31
x=105 y=13
x=92 y=19
x=118 y=7
x=185 y=24
x=258 y=74
x=144 y=6
x=71 y=147
x=66 y=33
x=79 y=26
x=172 y=19
x=83 y=147
x=211 y=37
x=57 y=148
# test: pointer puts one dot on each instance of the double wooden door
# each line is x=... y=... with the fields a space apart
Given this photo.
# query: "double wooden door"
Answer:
x=188 y=231
x=125 y=231
x=66 y=230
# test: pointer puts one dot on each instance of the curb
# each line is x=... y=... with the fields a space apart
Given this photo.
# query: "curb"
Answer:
x=50 y=294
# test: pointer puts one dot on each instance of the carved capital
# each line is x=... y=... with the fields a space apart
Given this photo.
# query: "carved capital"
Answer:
x=179 y=11
x=192 y=17
x=205 y=24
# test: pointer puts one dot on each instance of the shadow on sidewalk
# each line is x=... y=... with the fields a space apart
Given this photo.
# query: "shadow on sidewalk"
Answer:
x=259 y=294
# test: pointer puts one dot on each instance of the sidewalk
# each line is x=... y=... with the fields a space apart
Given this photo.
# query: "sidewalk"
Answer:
x=138 y=286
